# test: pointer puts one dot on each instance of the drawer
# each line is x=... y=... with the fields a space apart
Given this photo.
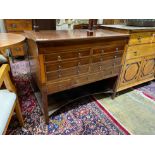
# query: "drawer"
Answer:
x=66 y=64
x=140 y=38
x=108 y=49
x=67 y=55
x=19 y=25
x=140 y=51
x=18 y=50
x=65 y=73
x=101 y=66
x=108 y=56
x=58 y=86
x=93 y=77
x=81 y=80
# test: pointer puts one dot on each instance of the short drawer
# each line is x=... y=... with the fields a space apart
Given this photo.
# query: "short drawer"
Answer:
x=58 y=86
x=140 y=51
x=18 y=50
x=68 y=72
x=66 y=64
x=66 y=55
x=108 y=49
x=19 y=25
x=108 y=56
x=140 y=38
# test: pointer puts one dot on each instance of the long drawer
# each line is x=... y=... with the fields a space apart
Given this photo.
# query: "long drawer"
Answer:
x=67 y=55
x=142 y=38
x=66 y=69
x=140 y=51
x=81 y=80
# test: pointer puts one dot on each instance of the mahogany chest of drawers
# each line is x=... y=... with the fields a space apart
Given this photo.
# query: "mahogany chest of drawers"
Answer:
x=139 y=57
x=61 y=60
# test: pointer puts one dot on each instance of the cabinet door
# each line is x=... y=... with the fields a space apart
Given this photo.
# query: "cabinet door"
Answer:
x=130 y=72
x=148 y=68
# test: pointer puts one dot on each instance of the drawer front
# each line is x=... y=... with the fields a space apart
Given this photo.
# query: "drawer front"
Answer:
x=65 y=73
x=140 y=38
x=81 y=80
x=108 y=56
x=18 y=50
x=66 y=70
x=108 y=49
x=67 y=55
x=59 y=86
x=140 y=51
x=18 y=25
x=66 y=64
x=148 y=68
x=105 y=65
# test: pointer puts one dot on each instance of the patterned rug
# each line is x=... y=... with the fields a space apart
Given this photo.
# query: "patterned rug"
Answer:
x=82 y=117
x=148 y=90
x=134 y=109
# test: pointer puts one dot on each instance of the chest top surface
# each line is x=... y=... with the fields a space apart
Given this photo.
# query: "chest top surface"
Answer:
x=129 y=28
x=62 y=35
x=10 y=39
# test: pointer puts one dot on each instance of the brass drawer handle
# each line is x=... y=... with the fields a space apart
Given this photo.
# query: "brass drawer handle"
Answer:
x=79 y=63
x=59 y=67
x=14 y=26
x=59 y=74
x=135 y=53
x=115 y=56
x=100 y=67
x=59 y=58
x=102 y=52
x=139 y=38
x=79 y=54
x=78 y=70
x=17 y=49
x=59 y=71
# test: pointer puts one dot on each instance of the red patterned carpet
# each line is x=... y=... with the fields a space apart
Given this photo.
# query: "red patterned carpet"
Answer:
x=81 y=117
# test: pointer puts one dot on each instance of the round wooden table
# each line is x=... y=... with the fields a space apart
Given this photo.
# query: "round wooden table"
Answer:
x=9 y=40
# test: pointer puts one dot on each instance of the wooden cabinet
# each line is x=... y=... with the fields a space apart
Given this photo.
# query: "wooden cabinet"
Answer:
x=148 y=68
x=139 y=58
x=21 y=25
x=61 y=60
x=18 y=25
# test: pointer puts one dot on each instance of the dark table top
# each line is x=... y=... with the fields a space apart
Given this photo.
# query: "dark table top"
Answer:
x=62 y=35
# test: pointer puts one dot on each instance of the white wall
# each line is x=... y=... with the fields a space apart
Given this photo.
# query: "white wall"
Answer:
x=2 y=28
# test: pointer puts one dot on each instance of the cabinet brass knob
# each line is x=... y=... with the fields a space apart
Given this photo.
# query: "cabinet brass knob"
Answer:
x=79 y=54
x=14 y=25
x=135 y=53
x=59 y=58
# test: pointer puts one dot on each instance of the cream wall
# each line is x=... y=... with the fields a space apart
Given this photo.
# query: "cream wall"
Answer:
x=2 y=28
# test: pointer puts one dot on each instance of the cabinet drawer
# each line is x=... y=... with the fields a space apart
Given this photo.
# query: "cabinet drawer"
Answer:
x=66 y=64
x=68 y=72
x=18 y=50
x=140 y=38
x=108 y=56
x=18 y=25
x=108 y=49
x=58 y=86
x=140 y=51
x=67 y=55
